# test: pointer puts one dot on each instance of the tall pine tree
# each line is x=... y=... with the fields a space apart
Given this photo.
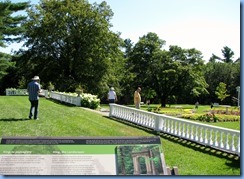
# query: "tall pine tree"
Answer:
x=10 y=29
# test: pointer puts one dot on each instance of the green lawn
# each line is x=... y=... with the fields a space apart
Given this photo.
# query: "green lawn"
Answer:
x=61 y=120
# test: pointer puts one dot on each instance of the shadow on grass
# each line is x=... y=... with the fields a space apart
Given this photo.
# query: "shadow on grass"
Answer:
x=14 y=119
x=232 y=159
x=148 y=130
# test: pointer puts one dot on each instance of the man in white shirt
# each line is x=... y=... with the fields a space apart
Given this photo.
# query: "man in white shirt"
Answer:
x=112 y=97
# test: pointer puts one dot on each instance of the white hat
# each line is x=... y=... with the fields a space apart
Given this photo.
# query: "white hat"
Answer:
x=112 y=88
x=36 y=78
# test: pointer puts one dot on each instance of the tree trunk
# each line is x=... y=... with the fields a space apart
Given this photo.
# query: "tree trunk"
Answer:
x=163 y=101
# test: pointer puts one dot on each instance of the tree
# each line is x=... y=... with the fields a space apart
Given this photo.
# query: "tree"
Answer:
x=10 y=26
x=221 y=91
x=70 y=43
x=168 y=73
x=142 y=63
x=5 y=63
x=128 y=45
x=227 y=54
x=10 y=30
x=216 y=72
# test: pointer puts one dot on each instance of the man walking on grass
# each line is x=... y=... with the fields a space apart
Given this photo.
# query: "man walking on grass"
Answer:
x=34 y=89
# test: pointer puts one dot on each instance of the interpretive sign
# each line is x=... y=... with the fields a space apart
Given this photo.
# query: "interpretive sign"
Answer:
x=81 y=156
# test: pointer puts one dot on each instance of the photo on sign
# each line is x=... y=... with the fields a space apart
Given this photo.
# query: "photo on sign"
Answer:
x=139 y=160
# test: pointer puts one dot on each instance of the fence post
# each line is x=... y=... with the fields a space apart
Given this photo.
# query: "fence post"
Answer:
x=51 y=94
x=157 y=123
x=46 y=93
x=7 y=92
x=110 y=110
x=78 y=101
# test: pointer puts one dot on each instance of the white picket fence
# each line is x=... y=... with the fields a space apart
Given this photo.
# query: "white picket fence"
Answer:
x=216 y=137
x=16 y=92
x=22 y=92
x=75 y=100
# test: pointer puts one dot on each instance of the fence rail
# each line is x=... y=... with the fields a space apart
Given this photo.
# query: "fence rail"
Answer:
x=75 y=100
x=16 y=92
x=217 y=137
x=23 y=92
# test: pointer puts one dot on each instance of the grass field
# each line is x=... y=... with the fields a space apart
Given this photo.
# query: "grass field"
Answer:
x=62 y=120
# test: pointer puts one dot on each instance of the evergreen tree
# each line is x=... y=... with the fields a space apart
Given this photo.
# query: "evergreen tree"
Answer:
x=10 y=26
x=10 y=31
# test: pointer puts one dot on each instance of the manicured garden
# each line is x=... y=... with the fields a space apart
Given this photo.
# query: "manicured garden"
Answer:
x=222 y=115
x=62 y=120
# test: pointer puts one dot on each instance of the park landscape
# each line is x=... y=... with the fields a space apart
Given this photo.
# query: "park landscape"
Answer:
x=62 y=119
x=86 y=63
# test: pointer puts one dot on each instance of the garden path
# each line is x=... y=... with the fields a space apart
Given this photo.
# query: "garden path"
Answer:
x=103 y=112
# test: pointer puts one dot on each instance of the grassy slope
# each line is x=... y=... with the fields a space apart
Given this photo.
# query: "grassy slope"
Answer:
x=61 y=120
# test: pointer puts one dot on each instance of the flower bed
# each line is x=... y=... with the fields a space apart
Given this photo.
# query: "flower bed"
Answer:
x=211 y=117
x=208 y=116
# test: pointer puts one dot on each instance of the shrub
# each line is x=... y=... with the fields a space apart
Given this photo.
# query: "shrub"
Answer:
x=157 y=109
x=89 y=101
x=191 y=116
x=209 y=117
x=149 y=109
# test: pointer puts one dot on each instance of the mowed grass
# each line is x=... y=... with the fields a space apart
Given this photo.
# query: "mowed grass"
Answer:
x=62 y=120
x=56 y=120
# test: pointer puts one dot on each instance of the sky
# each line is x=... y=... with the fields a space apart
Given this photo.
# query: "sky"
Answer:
x=207 y=25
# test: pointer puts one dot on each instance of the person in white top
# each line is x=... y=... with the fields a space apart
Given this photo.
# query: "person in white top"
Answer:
x=112 y=97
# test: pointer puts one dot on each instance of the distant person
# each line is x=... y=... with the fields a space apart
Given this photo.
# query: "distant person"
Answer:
x=211 y=105
x=196 y=105
x=34 y=89
x=112 y=96
x=137 y=98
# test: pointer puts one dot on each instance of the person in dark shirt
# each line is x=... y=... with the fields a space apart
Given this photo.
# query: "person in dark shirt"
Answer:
x=34 y=89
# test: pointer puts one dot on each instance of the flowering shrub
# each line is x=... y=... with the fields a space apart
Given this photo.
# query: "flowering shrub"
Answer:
x=89 y=101
x=209 y=117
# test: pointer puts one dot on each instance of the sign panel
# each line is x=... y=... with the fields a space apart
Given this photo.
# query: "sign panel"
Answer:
x=81 y=156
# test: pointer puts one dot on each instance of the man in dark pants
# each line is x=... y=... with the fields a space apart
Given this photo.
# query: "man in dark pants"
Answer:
x=34 y=89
